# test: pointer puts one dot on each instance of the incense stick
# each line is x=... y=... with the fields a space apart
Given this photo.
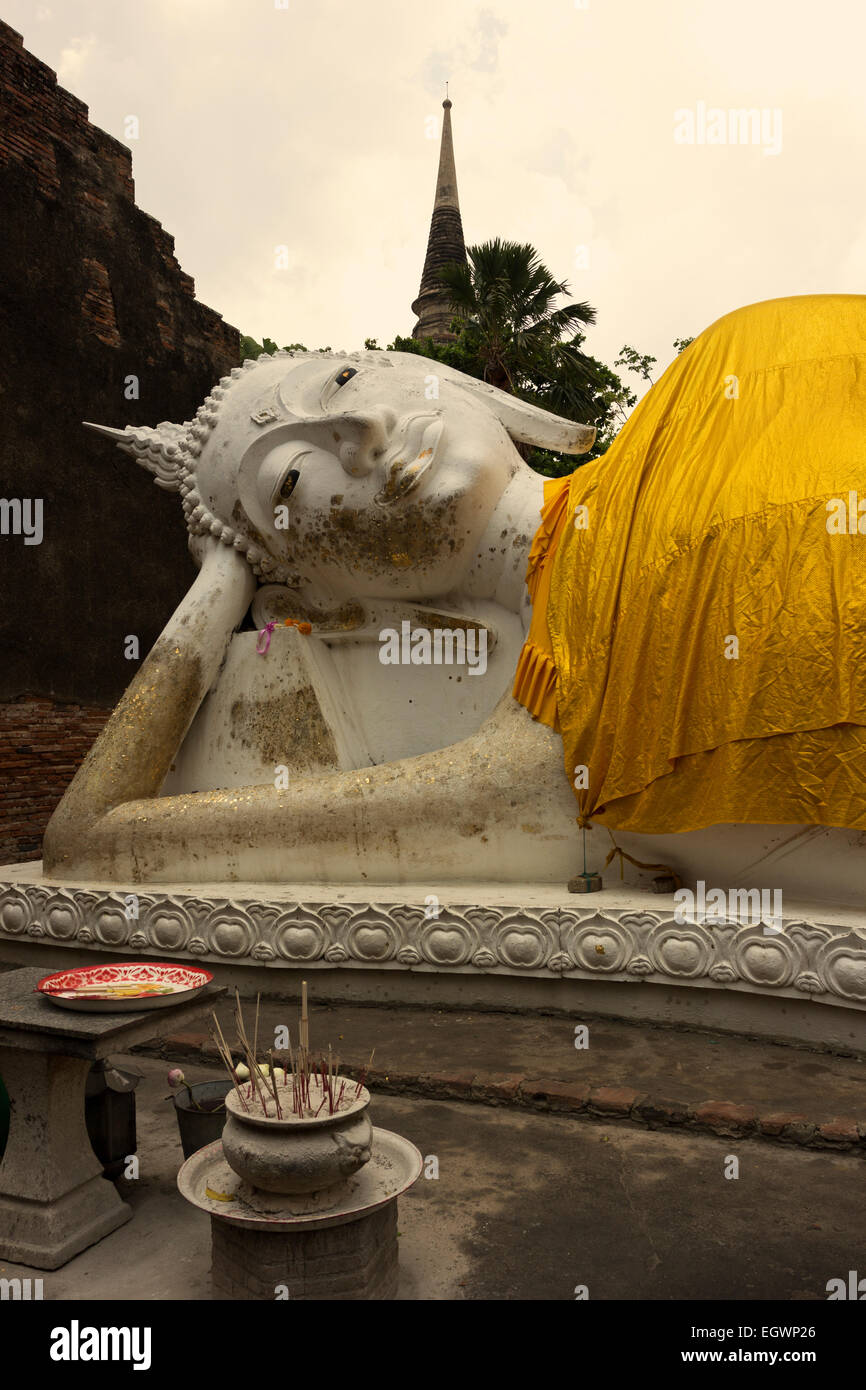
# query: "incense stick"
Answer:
x=305 y=1071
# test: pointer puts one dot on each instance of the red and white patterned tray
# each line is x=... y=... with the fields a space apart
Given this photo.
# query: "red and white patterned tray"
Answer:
x=125 y=988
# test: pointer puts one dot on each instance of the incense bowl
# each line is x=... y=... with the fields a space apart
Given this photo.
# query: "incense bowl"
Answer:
x=294 y=1154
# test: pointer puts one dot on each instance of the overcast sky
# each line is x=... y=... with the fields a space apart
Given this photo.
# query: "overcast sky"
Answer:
x=309 y=126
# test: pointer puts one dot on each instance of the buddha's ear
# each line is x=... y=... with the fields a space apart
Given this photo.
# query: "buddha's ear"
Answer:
x=529 y=424
x=526 y=424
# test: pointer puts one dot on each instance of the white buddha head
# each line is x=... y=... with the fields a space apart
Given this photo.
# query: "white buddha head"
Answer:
x=368 y=474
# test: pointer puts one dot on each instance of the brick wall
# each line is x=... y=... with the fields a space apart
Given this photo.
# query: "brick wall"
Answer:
x=90 y=293
x=41 y=745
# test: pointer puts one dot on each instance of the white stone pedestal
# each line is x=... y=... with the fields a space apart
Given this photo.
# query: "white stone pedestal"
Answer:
x=54 y=1201
x=621 y=952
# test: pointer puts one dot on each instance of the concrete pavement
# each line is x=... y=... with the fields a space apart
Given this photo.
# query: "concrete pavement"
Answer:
x=529 y=1206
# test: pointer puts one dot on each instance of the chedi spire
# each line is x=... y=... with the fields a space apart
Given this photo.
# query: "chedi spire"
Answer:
x=444 y=245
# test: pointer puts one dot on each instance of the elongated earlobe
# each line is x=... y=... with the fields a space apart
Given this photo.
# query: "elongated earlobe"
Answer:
x=529 y=424
x=524 y=423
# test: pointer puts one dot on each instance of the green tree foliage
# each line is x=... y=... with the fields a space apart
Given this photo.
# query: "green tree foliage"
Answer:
x=250 y=348
x=633 y=361
x=506 y=299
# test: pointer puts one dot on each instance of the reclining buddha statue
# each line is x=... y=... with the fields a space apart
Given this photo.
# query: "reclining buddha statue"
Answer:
x=409 y=658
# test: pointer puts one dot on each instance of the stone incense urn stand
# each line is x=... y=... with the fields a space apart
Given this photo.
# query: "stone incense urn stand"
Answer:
x=297 y=1155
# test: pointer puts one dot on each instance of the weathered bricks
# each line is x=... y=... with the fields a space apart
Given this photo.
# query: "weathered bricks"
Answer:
x=555 y=1095
x=774 y=1123
x=118 y=304
x=839 y=1131
x=656 y=1110
x=580 y=1098
x=356 y=1260
x=724 y=1117
x=802 y=1132
x=450 y=1085
x=613 y=1100
x=33 y=777
x=497 y=1088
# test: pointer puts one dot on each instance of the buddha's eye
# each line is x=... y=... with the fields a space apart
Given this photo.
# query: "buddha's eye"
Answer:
x=288 y=486
x=333 y=384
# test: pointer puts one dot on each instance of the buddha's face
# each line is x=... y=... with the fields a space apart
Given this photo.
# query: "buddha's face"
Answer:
x=371 y=476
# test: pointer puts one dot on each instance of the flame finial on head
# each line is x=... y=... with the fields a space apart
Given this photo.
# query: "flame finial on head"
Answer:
x=158 y=450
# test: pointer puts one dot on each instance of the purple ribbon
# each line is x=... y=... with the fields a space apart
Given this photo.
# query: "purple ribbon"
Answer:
x=266 y=634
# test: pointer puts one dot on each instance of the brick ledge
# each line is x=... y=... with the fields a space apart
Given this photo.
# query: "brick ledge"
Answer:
x=621 y=1104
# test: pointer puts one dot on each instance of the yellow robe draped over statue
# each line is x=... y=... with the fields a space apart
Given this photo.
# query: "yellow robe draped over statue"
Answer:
x=698 y=634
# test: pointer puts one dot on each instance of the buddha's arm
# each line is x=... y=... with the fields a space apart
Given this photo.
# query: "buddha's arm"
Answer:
x=465 y=810
x=132 y=755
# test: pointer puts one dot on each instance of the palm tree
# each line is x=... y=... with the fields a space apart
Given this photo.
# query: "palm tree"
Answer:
x=504 y=301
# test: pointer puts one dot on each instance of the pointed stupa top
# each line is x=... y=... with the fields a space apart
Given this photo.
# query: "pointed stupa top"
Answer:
x=444 y=245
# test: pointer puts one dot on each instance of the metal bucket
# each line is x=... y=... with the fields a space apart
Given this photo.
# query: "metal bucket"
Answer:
x=200 y=1127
